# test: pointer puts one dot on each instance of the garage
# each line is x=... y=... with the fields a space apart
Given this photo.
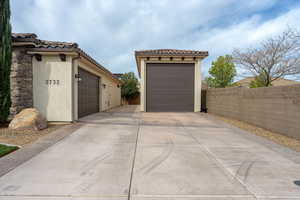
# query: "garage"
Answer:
x=170 y=87
x=170 y=79
x=88 y=93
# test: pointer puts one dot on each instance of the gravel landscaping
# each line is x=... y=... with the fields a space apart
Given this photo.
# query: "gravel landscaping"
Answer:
x=21 y=138
x=275 y=137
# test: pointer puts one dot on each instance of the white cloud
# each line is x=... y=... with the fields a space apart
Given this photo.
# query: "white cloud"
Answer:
x=111 y=30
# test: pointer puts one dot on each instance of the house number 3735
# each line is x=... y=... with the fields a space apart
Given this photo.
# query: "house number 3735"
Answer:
x=52 y=82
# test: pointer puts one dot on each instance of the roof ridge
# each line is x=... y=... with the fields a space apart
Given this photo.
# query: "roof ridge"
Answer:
x=24 y=35
x=168 y=52
x=49 y=45
x=58 y=43
x=167 y=49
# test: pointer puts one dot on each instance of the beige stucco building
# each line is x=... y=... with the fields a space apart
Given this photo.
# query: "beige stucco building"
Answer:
x=60 y=80
x=170 y=80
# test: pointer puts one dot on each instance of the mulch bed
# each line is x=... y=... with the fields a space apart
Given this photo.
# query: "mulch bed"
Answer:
x=275 y=137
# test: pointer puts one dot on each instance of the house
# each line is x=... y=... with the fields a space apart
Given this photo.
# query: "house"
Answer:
x=170 y=79
x=279 y=82
x=59 y=79
x=118 y=75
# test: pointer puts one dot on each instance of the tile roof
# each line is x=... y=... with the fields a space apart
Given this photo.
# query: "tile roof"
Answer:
x=167 y=52
x=170 y=52
x=118 y=75
x=42 y=44
x=36 y=44
x=24 y=35
x=55 y=45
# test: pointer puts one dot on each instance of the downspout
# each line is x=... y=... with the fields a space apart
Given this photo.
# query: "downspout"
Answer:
x=73 y=80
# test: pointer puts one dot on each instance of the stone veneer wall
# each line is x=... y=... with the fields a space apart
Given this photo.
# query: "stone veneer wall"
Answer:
x=273 y=108
x=21 y=81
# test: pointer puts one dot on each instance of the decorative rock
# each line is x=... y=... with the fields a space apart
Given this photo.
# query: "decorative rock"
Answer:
x=28 y=119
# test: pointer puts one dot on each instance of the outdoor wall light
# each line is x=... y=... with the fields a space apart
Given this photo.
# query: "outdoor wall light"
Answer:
x=77 y=76
x=38 y=57
x=62 y=57
x=103 y=85
x=118 y=85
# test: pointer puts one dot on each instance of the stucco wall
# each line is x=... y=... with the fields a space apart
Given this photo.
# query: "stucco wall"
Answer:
x=59 y=101
x=111 y=94
x=197 y=92
x=53 y=99
x=273 y=108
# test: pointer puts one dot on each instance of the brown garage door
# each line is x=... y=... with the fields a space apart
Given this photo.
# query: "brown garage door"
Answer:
x=169 y=87
x=88 y=93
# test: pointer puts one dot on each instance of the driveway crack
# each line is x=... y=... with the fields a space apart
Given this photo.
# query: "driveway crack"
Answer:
x=133 y=161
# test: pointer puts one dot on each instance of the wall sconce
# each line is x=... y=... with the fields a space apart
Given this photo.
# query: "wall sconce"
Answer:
x=77 y=76
x=118 y=85
x=62 y=57
x=103 y=85
x=38 y=57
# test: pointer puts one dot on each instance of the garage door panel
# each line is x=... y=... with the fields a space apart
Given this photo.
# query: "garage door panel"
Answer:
x=169 y=108
x=88 y=93
x=170 y=98
x=170 y=87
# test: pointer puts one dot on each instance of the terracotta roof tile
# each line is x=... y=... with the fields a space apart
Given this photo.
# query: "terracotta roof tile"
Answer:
x=167 y=53
x=36 y=44
x=23 y=35
x=55 y=44
x=43 y=44
x=170 y=52
x=118 y=75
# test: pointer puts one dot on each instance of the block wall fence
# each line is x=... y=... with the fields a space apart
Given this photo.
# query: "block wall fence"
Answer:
x=274 y=108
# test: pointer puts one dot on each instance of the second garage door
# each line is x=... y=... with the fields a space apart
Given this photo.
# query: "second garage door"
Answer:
x=88 y=93
x=170 y=87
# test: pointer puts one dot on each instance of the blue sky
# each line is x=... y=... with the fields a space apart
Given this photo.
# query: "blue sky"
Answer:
x=110 y=30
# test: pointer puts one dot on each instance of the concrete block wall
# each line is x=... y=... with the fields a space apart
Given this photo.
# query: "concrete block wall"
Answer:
x=273 y=108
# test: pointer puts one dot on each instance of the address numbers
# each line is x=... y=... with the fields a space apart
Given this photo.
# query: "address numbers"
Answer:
x=52 y=82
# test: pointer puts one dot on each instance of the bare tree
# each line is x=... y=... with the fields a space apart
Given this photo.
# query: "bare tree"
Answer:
x=276 y=57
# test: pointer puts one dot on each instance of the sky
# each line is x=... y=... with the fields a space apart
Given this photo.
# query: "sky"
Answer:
x=111 y=30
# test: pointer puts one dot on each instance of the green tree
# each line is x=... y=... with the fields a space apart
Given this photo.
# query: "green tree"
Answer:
x=130 y=86
x=260 y=81
x=5 y=59
x=222 y=72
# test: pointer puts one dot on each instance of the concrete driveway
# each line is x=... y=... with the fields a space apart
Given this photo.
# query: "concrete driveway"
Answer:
x=156 y=156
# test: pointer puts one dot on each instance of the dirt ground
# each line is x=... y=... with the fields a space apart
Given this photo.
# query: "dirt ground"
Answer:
x=21 y=138
x=275 y=137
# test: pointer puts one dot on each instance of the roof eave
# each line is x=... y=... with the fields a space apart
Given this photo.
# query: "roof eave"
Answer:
x=139 y=56
x=72 y=52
